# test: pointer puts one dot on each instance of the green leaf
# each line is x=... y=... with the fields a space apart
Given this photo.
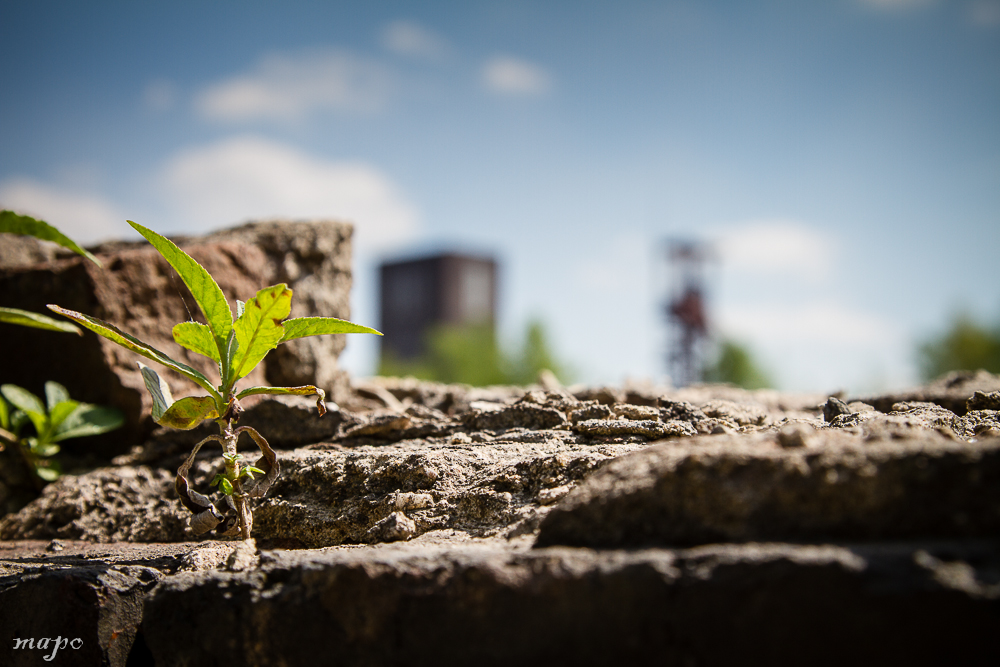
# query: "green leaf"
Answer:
x=205 y=290
x=49 y=474
x=196 y=337
x=4 y=414
x=28 y=403
x=116 y=335
x=87 y=420
x=55 y=393
x=225 y=486
x=259 y=329
x=301 y=327
x=44 y=449
x=248 y=471
x=188 y=412
x=12 y=223
x=306 y=390
x=158 y=390
x=26 y=318
x=226 y=365
x=17 y=420
x=59 y=412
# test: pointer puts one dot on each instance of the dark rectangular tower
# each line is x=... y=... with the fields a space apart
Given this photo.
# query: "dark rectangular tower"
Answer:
x=419 y=294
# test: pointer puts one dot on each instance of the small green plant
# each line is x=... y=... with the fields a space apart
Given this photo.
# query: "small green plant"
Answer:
x=58 y=418
x=237 y=346
x=13 y=223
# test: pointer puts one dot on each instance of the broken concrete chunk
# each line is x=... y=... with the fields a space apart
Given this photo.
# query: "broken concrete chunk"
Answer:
x=605 y=395
x=721 y=488
x=744 y=414
x=395 y=527
x=978 y=424
x=833 y=408
x=413 y=501
x=982 y=400
x=952 y=391
x=108 y=504
x=797 y=435
x=647 y=428
x=637 y=412
x=590 y=410
x=384 y=425
x=523 y=415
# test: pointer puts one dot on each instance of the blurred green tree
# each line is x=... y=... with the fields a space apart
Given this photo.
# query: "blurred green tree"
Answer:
x=472 y=355
x=966 y=345
x=734 y=364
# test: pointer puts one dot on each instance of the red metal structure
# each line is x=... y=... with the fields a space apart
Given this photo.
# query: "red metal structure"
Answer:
x=685 y=312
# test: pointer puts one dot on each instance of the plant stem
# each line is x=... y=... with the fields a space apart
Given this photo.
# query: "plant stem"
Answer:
x=233 y=475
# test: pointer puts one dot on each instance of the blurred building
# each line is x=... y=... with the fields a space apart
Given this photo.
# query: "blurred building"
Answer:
x=418 y=294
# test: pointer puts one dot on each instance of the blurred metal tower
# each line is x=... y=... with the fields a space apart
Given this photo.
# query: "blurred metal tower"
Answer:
x=685 y=311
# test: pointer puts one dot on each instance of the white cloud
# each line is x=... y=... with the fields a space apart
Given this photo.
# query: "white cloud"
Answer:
x=506 y=75
x=411 y=39
x=289 y=87
x=777 y=248
x=818 y=323
x=985 y=13
x=248 y=178
x=82 y=216
x=823 y=346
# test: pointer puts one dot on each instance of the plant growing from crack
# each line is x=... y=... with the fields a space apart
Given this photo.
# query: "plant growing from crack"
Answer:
x=58 y=418
x=237 y=346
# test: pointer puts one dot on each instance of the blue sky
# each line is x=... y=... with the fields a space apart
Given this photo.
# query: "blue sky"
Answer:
x=843 y=156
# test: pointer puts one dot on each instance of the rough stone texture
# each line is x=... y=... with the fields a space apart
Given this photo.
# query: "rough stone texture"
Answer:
x=723 y=488
x=480 y=481
x=426 y=522
x=17 y=251
x=138 y=292
x=93 y=593
x=438 y=600
x=495 y=604
x=448 y=398
x=950 y=391
x=983 y=401
x=96 y=598
x=482 y=488
x=134 y=503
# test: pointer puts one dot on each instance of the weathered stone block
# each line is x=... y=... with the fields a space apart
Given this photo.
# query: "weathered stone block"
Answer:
x=739 y=488
x=490 y=604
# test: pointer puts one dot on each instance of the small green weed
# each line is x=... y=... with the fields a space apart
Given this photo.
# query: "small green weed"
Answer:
x=237 y=345
x=58 y=418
